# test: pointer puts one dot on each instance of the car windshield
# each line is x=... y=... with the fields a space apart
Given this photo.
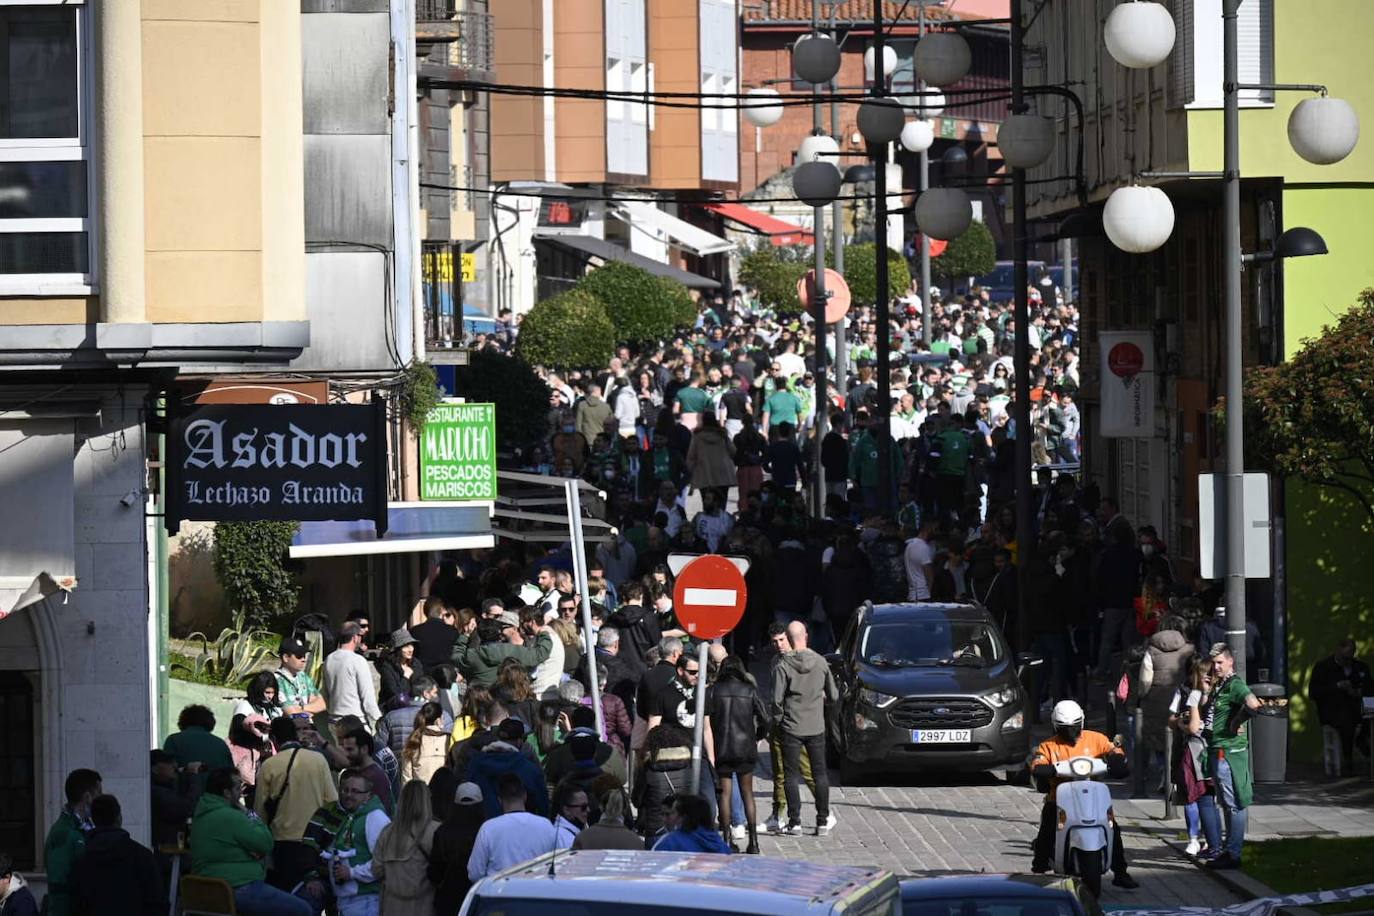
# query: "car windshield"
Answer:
x=998 y=906
x=930 y=643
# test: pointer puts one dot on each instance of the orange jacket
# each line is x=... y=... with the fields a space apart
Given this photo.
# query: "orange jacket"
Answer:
x=1055 y=751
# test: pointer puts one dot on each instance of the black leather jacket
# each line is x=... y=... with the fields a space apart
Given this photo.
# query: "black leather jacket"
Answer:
x=738 y=720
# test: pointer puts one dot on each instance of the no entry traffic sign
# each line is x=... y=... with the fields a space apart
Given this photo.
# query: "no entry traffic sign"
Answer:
x=709 y=596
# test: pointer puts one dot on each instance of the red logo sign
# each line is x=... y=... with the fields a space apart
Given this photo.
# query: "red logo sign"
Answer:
x=709 y=597
x=1126 y=360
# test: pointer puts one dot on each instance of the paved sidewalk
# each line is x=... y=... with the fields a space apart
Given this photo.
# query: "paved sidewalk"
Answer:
x=1339 y=808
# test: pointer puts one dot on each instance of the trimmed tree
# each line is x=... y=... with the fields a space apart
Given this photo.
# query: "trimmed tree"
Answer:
x=773 y=276
x=568 y=331
x=521 y=398
x=641 y=306
x=972 y=254
x=861 y=273
x=1312 y=417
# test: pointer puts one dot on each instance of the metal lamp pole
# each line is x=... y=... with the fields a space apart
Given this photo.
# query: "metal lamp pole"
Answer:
x=1235 y=428
x=819 y=296
x=1025 y=536
x=923 y=183
x=880 y=270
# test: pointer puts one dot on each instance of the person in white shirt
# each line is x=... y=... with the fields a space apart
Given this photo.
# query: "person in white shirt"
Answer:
x=919 y=559
x=548 y=674
x=348 y=678
x=515 y=836
x=792 y=364
x=572 y=818
x=713 y=524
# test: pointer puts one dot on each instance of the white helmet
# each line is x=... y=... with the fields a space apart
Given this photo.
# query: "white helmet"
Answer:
x=1067 y=712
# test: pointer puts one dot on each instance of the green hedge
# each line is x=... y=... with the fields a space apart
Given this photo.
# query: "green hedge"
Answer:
x=641 y=306
x=568 y=331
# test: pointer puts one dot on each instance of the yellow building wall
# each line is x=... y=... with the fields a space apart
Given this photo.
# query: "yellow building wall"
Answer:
x=224 y=223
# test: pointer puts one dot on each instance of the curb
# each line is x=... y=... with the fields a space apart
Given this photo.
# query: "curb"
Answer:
x=1238 y=882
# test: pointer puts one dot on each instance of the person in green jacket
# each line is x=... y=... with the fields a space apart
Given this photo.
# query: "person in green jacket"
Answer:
x=345 y=832
x=863 y=461
x=232 y=844
x=66 y=842
x=497 y=640
x=1228 y=756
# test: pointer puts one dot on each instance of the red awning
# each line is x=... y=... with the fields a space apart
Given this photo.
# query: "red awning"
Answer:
x=781 y=232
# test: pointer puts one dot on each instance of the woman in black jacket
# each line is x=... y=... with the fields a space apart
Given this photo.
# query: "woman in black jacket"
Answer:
x=668 y=773
x=397 y=667
x=738 y=720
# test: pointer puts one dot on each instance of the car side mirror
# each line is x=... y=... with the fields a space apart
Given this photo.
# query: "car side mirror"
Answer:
x=833 y=658
x=1029 y=660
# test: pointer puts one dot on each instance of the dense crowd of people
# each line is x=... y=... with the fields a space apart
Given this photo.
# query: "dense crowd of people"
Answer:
x=493 y=726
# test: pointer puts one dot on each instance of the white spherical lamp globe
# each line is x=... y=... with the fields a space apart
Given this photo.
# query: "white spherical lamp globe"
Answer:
x=763 y=107
x=942 y=58
x=889 y=62
x=1138 y=220
x=930 y=104
x=917 y=136
x=1026 y=140
x=1139 y=34
x=944 y=213
x=1323 y=130
x=816 y=144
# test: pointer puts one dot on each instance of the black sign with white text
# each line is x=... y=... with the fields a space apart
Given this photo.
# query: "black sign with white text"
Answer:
x=253 y=462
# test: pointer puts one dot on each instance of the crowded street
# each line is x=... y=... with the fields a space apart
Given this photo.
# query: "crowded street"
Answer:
x=677 y=457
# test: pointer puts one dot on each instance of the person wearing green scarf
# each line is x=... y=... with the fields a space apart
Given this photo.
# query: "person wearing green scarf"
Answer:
x=346 y=832
x=1231 y=705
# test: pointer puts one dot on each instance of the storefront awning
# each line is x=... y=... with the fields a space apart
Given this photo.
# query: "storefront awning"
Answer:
x=779 y=231
x=411 y=528
x=608 y=251
x=640 y=215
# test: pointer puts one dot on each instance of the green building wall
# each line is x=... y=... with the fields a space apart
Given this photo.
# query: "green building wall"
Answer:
x=1330 y=541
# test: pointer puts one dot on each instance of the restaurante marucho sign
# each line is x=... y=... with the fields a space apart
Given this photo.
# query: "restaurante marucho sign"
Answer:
x=458 y=453
x=252 y=462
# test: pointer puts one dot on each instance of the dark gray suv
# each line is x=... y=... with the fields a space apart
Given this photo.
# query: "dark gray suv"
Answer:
x=927 y=686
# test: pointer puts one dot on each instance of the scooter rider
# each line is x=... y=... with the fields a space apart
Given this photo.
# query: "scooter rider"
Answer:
x=1071 y=740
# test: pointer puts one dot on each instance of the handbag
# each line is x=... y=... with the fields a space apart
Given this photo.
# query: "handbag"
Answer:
x=273 y=804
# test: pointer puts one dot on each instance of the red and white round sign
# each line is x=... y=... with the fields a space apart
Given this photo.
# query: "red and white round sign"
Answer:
x=709 y=597
x=1126 y=360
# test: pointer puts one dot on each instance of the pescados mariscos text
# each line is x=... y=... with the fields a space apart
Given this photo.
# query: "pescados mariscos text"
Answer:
x=207 y=448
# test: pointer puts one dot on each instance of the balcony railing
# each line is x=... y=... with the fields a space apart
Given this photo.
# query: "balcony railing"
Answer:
x=436 y=21
x=435 y=10
x=475 y=47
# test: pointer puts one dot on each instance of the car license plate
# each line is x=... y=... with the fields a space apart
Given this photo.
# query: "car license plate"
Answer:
x=942 y=735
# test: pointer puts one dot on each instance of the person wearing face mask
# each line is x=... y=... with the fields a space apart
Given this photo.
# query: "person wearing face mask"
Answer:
x=569 y=446
x=1071 y=740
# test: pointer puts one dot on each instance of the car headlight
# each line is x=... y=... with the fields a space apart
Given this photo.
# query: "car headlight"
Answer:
x=874 y=698
x=1004 y=697
x=1015 y=722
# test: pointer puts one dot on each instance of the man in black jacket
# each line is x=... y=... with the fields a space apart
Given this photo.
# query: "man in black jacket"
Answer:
x=638 y=626
x=835 y=456
x=435 y=637
x=172 y=807
x=117 y=876
x=1337 y=687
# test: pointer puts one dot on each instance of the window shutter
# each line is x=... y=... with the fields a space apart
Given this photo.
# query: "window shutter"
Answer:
x=1181 y=66
x=1256 y=32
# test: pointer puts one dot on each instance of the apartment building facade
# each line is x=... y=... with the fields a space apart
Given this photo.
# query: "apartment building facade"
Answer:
x=577 y=180
x=1169 y=120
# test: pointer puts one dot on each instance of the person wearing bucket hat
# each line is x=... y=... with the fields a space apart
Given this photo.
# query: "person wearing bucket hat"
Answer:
x=397 y=667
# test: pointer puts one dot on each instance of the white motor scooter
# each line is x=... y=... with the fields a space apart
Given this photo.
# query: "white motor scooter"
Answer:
x=1085 y=821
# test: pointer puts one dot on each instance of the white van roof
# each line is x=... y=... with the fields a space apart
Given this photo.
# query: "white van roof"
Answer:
x=703 y=882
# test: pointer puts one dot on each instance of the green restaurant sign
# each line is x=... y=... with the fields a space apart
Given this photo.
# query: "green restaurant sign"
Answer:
x=458 y=453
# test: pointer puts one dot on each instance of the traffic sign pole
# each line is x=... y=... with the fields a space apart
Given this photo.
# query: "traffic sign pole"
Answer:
x=699 y=721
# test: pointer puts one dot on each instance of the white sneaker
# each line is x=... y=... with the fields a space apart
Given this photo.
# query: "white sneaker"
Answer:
x=792 y=830
x=830 y=821
x=739 y=832
x=772 y=825
x=1194 y=847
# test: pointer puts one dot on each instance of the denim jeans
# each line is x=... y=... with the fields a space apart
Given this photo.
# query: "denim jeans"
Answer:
x=1226 y=794
x=736 y=803
x=1211 y=820
x=360 y=905
x=1192 y=819
x=791 y=754
x=258 y=898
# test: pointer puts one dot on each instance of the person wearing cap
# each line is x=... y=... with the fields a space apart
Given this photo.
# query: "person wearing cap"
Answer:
x=397 y=667
x=296 y=690
x=479 y=655
x=453 y=844
x=514 y=835
x=348 y=678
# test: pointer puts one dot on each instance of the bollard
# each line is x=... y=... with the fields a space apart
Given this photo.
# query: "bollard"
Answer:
x=1169 y=809
x=1142 y=756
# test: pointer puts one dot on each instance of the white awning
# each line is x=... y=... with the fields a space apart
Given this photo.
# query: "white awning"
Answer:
x=639 y=214
x=412 y=527
x=19 y=592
